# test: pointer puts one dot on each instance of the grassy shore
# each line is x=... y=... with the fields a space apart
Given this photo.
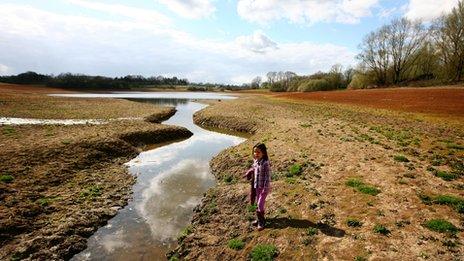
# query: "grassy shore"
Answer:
x=59 y=184
x=349 y=183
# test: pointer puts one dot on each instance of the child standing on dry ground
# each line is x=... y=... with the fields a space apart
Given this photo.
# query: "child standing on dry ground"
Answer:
x=260 y=177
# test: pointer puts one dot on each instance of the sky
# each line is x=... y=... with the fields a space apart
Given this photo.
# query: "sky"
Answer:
x=217 y=41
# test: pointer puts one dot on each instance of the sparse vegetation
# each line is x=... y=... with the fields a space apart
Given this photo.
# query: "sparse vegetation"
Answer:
x=184 y=233
x=381 y=229
x=352 y=222
x=236 y=244
x=400 y=158
x=263 y=252
x=6 y=178
x=312 y=231
x=361 y=187
x=295 y=170
x=453 y=201
x=441 y=225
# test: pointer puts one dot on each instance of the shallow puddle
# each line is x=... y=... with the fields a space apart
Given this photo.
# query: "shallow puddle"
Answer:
x=171 y=181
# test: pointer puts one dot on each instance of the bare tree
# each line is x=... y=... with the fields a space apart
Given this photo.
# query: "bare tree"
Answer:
x=449 y=39
x=404 y=40
x=256 y=82
x=288 y=75
x=271 y=77
x=375 y=54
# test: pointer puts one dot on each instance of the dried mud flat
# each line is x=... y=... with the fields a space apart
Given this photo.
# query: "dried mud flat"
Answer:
x=446 y=101
x=371 y=184
x=59 y=184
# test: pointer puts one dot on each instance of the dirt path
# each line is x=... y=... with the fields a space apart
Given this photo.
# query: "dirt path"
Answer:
x=324 y=212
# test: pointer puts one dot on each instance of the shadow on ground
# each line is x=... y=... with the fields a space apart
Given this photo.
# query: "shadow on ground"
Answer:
x=301 y=223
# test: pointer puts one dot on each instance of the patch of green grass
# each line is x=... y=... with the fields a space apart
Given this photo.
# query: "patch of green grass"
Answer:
x=369 y=190
x=354 y=183
x=295 y=170
x=264 y=252
x=361 y=187
x=290 y=180
x=236 y=244
x=400 y=158
x=455 y=146
x=44 y=201
x=360 y=258
x=381 y=229
x=353 y=222
x=8 y=131
x=311 y=231
x=184 y=233
x=6 y=178
x=453 y=201
x=252 y=208
x=91 y=192
x=441 y=225
x=305 y=125
x=229 y=179
x=444 y=175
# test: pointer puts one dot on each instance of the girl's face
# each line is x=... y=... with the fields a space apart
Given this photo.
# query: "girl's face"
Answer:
x=257 y=153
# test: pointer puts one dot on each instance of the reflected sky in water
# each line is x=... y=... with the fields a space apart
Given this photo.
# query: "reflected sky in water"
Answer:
x=171 y=181
x=150 y=95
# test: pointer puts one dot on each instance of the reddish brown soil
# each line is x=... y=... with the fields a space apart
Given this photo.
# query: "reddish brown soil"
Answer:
x=29 y=88
x=444 y=100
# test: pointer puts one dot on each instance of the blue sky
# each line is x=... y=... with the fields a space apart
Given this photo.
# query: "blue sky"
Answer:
x=229 y=41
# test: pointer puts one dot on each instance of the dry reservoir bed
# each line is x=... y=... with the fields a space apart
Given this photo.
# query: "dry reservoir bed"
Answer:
x=59 y=184
x=349 y=182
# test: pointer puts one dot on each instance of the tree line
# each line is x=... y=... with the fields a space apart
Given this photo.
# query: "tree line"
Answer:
x=403 y=52
x=69 y=80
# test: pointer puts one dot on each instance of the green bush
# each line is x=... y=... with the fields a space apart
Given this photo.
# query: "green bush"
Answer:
x=264 y=253
x=441 y=226
x=312 y=85
x=360 y=81
x=235 y=244
x=277 y=87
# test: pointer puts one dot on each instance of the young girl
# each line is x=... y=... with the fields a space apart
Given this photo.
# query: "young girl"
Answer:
x=260 y=176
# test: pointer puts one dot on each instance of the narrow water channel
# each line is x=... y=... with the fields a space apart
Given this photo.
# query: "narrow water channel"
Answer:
x=171 y=181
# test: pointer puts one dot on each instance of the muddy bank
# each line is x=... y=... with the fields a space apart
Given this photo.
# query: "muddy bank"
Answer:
x=313 y=210
x=61 y=183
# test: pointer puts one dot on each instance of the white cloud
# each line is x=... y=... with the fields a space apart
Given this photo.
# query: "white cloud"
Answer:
x=48 y=42
x=150 y=16
x=258 y=42
x=427 y=10
x=4 y=70
x=192 y=9
x=305 y=11
x=386 y=13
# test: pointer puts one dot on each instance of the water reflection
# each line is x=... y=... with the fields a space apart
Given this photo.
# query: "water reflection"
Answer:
x=163 y=102
x=170 y=182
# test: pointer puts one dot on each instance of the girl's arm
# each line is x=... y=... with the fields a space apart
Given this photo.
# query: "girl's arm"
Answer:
x=249 y=174
x=266 y=169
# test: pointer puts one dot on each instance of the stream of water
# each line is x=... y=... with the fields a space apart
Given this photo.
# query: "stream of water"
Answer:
x=171 y=181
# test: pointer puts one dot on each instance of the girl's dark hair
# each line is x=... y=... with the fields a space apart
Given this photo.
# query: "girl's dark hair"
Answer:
x=262 y=148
